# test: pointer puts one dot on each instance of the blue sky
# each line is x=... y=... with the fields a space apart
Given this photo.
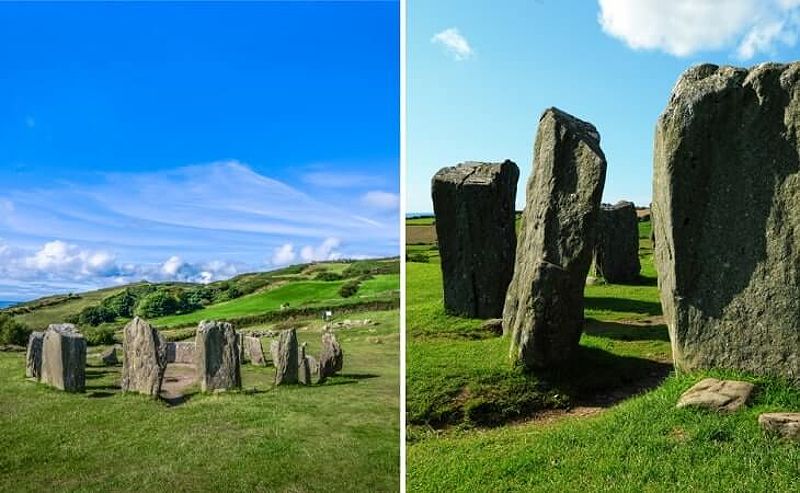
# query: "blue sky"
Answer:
x=481 y=72
x=193 y=141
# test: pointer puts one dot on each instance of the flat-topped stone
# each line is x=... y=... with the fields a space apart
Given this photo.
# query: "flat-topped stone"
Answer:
x=717 y=395
x=217 y=356
x=786 y=425
x=64 y=358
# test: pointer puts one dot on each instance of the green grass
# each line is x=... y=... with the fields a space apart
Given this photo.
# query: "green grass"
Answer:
x=467 y=406
x=296 y=293
x=339 y=436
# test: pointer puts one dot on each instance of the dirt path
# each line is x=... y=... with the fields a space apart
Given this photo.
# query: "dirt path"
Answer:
x=178 y=378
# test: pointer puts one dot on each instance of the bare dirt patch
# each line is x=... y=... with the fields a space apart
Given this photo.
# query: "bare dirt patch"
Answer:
x=179 y=378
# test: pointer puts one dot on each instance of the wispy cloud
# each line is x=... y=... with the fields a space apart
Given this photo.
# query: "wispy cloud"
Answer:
x=686 y=27
x=381 y=200
x=333 y=179
x=197 y=223
x=454 y=43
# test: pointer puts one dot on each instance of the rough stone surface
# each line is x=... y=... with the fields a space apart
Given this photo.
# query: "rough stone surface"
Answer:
x=304 y=368
x=726 y=213
x=64 y=358
x=181 y=352
x=786 y=425
x=717 y=395
x=493 y=325
x=543 y=310
x=145 y=358
x=474 y=207
x=109 y=356
x=616 y=252
x=316 y=375
x=33 y=357
x=254 y=351
x=284 y=357
x=217 y=356
x=331 y=358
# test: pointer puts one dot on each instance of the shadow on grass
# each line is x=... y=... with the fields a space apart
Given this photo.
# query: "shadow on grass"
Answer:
x=178 y=399
x=358 y=376
x=622 y=305
x=626 y=332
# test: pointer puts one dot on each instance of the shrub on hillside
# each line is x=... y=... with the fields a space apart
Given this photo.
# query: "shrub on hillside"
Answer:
x=349 y=289
x=374 y=267
x=121 y=304
x=93 y=316
x=417 y=257
x=157 y=304
x=98 y=336
x=13 y=332
x=328 y=276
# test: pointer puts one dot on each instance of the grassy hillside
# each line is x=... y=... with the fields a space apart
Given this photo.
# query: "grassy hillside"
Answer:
x=339 y=436
x=477 y=424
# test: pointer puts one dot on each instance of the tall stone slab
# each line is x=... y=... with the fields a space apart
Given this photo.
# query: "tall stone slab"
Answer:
x=64 y=358
x=145 y=358
x=181 y=352
x=33 y=357
x=331 y=358
x=285 y=357
x=474 y=207
x=726 y=215
x=217 y=356
x=254 y=350
x=616 y=253
x=543 y=310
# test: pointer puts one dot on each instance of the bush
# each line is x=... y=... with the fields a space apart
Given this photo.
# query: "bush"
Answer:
x=157 y=304
x=121 y=304
x=349 y=288
x=328 y=276
x=13 y=332
x=98 y=336
x=418 y=257
x=374 y=267
x=95 y=315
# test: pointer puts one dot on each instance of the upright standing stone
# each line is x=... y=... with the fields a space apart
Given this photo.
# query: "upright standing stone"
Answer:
x=304 y=368
x=616 y=253
x=544 y=306
x=474 y=207
x=217 y=353
x=181 y=352
x=726 y=213
x=254 y=350
x=285 y=358
x=145 y=358
x=64 y=358
x=33 y=357
x=331 y=359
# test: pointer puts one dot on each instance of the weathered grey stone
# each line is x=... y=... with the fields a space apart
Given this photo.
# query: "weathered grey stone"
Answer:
x=109 y=356
x=543 y=311
x=254 y=351
x=786 y=425
x=304 y=368
x=726 y=212
x=331 y=359
x=474 y=207
x=64 y=358
x=493 y=325
x=33 y=357
x=284 y=357
x=717 y=395
x=145 y=358
x=217 y=356
x=181 y=352
x=616 y=252
x=313 y=365
x=274 y=350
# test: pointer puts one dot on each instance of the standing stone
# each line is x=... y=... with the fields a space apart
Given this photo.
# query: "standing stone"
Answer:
x=474 y=207
x=285 y=358
x=304 y=368
x=181 y=352
x=274 y=350
x=145 y=358
x=254 y=350
x=544 y=306
x=33 y=357
x=616 y=253
x=331 y=359
x=64 y=358
x=217 y=355
x=109 y=356
x=726 y=216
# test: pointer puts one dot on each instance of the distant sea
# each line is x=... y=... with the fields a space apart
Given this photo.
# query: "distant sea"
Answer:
x=4 y=304
x=409 y=215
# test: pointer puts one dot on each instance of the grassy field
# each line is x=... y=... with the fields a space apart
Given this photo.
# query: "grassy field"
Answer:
x=477 y=424
x=298 y=293
x=339 y=436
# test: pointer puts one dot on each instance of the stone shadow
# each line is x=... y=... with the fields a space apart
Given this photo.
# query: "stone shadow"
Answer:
x=622 y=305
x=626 y=332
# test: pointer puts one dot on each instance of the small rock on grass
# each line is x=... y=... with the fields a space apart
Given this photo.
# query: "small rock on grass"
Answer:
x=786 y=425
x=717 y=395
x=109 y=356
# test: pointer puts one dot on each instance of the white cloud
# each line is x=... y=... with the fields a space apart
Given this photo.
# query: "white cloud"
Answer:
x=330 y=179
x=284 y=255
x=686 y=27
x=454 y=43
x=381 y=200
x=325 y=251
